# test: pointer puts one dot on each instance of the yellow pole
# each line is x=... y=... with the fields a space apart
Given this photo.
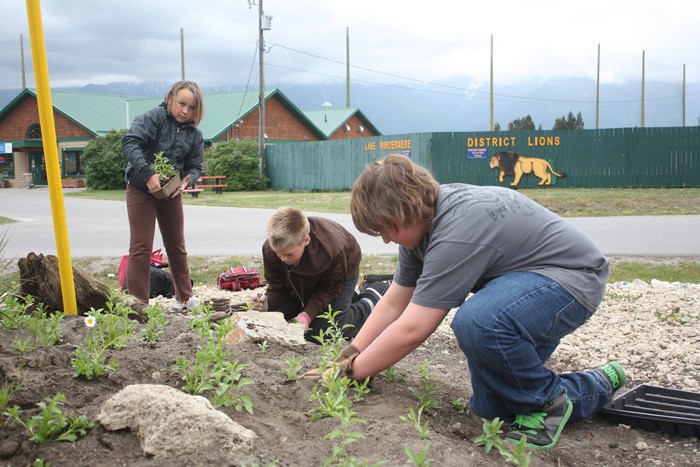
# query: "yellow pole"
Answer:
x=53 y=171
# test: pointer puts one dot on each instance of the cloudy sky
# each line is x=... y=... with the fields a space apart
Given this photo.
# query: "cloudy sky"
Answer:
x=407 y=43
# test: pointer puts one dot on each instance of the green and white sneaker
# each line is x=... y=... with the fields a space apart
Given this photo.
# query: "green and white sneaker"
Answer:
x=542 y=429
x=614 y=373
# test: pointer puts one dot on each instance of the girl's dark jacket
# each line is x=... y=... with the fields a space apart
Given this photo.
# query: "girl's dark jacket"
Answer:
x=330 y=260
x=156 y=130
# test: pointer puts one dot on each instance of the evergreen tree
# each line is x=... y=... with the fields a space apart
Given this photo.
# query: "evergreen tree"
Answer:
x=524 y=123
x=569 y=122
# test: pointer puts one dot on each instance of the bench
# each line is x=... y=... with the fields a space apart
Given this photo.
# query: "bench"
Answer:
x=218 y=188
x=194 y=192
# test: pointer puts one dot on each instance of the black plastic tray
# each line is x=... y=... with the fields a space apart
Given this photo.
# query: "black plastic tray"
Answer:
x=654 y=408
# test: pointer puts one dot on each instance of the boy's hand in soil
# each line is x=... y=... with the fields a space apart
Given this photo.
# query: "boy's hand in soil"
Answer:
x=258 y=302
x=304 y=319
x=343 y=363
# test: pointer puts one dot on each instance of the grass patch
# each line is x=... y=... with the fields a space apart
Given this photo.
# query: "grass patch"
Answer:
x=684 y=270
x=567 y=202
x=205 y=270
x=6 y=220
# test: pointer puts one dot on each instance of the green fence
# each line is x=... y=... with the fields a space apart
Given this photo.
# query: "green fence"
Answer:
x=625 y=157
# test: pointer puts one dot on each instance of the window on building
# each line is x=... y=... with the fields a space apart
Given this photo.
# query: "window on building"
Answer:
x=73 y=163
x=7 y=166
x=33 y=132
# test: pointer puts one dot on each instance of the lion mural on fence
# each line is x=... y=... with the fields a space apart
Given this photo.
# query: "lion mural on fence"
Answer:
x=514 y=165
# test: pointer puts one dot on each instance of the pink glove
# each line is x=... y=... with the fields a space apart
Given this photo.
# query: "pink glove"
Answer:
x=258 y=302
x=304 y=319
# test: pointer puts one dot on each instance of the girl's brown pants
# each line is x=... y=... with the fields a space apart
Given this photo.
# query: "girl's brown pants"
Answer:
x=143 y=210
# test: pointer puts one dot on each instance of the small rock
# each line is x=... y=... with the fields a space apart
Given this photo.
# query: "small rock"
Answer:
x=641 y=446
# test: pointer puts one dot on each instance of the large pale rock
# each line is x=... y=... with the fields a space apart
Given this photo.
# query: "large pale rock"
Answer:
x=259 y=326
x=170 y=422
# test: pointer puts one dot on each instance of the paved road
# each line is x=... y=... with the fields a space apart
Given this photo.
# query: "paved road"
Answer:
x=100 y=228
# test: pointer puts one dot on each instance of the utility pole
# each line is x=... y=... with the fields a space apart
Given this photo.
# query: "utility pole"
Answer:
x=21 y=48
x=182 y=52
x=643 y=89
x=597 y=91
x=263 y=25
x=684 y=94
x=492 y=127
x=347 y=67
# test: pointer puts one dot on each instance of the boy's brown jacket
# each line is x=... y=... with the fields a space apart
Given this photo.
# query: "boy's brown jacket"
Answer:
x=331 y=258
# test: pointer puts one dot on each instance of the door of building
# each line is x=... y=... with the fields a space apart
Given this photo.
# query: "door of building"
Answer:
x=37 y=167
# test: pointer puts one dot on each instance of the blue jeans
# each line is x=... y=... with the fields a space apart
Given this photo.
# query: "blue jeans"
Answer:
x=508 y=330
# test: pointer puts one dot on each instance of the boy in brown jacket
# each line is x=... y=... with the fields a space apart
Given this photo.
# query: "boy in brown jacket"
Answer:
x=311 y=263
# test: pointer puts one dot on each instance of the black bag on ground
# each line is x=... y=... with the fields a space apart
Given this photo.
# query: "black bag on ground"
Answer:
x=161 y=283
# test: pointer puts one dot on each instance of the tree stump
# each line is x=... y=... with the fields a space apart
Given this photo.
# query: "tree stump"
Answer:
x=40 y=279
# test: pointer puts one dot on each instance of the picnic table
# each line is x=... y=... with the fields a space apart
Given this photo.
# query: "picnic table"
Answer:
x=208 y=181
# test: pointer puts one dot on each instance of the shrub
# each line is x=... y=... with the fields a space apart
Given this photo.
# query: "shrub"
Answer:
x=238 y=161
x=105 y=162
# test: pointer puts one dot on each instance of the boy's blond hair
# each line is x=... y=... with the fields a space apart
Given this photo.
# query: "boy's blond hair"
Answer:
x=392 y=193
x=287 y=227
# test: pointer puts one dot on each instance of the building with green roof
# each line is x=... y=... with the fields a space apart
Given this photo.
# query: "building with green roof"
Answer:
x=80 y=117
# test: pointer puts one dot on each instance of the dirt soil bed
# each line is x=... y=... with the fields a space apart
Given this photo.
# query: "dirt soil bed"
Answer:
x=653 y=331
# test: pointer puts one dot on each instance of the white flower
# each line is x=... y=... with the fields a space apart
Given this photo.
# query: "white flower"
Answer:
x=90 y=321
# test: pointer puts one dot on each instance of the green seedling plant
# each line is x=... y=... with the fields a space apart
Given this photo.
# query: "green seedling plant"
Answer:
x=428 y=390
x=107 y=331
x=518 y=454
x=360 y=389
x=491 y=438
x=331 y=339
x=414 y=418
x=392 y=375
x=157 y=321
x=7 y=391
x=197 y=373
x=213 y=368
x=674 y=316
x=44 y=327
x=51 y=423
x=22 y=347
x=460 y=405
x=615 y=295
x=419 y=459
x=342 y=439
x=41 y=463
x=332 y=397
x=294 y=366
x=162 y=166
x=14 y=312
x=331 y=393
x=201 y=323
x=227 y=381
x=263 y=345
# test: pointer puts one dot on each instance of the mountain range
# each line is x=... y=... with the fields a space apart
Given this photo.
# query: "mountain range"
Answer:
x=450 y=107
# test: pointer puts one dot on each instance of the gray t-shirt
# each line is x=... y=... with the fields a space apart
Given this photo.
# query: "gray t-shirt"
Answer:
x=480 y=233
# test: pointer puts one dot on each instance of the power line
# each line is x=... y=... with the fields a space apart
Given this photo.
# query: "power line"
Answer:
x=506 y=97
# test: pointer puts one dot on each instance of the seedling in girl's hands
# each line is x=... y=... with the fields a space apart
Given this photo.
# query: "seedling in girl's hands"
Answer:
x=162 y=166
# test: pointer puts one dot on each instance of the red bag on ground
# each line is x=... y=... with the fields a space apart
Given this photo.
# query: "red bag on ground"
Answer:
x=239 y=278
x=158 y=260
